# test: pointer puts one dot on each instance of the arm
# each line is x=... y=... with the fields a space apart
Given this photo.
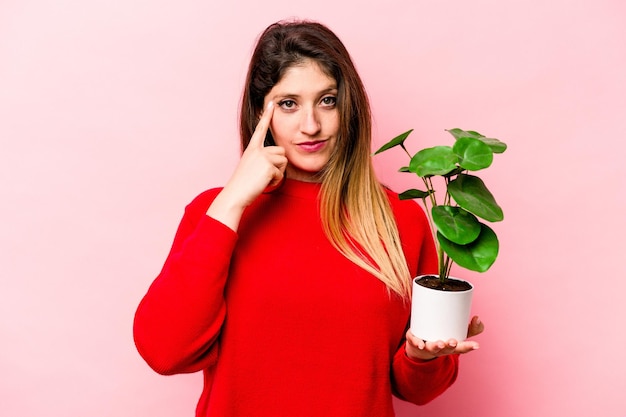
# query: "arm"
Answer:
x=179 y=319
x=422 y=370
x=419 y=381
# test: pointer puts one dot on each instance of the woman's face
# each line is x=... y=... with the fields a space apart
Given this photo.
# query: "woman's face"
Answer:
x=305 y=120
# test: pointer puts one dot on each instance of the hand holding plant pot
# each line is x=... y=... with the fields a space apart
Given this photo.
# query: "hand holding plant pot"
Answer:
x=455 y=216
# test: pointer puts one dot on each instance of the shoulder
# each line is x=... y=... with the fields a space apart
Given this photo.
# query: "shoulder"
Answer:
x=202 y=201
x=415 y=234
x=406 y=211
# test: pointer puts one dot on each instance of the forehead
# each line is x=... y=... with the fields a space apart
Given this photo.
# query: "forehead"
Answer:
x=307 y=76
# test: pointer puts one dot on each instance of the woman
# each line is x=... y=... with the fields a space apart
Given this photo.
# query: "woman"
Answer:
x=290 y=286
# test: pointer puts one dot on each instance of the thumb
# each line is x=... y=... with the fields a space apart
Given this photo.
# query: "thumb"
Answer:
x=475 y=327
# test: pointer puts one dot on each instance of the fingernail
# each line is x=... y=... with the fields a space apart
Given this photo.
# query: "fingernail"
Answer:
x=270 y=104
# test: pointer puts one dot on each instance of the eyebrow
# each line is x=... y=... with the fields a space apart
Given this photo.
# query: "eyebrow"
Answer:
x=331 y=89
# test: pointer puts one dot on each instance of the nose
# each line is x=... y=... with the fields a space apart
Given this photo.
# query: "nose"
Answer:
x=310 y=123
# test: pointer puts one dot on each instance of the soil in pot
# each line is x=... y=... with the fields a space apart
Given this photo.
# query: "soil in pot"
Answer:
x=450 y=284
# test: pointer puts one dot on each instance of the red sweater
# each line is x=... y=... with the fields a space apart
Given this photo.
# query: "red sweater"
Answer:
x=279 y=321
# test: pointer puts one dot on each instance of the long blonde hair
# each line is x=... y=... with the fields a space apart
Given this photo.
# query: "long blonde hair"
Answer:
x=355 y=211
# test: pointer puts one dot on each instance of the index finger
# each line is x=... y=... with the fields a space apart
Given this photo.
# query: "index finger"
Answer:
x=258 y=137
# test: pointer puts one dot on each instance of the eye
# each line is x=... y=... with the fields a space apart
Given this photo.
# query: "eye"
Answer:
x=329 y=101
x=287 y=104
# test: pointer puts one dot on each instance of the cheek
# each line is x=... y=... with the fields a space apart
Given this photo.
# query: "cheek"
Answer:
x=332 y=122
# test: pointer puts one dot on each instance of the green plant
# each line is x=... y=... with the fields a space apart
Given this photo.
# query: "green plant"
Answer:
x=460 y=236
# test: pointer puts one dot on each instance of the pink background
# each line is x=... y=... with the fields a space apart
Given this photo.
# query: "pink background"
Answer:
x=113 y=115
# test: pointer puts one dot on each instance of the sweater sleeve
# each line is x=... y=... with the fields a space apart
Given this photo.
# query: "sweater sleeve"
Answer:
x=419 y=382
x=179 y=319
x=416 y=381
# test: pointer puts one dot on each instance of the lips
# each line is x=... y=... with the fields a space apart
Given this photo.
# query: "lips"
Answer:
x=312 y=146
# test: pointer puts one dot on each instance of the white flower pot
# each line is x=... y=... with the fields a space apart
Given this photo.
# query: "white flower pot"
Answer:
x=440 y=315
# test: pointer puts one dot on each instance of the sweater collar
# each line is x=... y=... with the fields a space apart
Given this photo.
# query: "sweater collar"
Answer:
x=295 y=188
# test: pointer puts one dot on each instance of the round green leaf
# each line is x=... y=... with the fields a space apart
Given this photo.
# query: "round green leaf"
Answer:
x=398 y=140
x=438 y=160
x=411 y=194
x=460 y=133
x=456 y=224
x=471 y=194
x=458 y=170
x=473 y=154
x=477 y=256
x=496 y=145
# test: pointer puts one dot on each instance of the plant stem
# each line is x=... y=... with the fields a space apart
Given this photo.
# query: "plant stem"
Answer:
x=446 y=200
x=407 y=152
x=431 y=190
x=442 y=265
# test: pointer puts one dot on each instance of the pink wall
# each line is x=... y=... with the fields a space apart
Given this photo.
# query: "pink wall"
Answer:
x=113 y=115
